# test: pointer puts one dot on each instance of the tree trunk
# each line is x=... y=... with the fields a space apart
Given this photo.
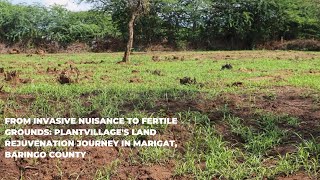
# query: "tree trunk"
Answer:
x=126 y=57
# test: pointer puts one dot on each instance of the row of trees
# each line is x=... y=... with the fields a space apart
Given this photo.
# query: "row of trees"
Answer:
x=202 y=23
x=32 y=25
x=198 y=24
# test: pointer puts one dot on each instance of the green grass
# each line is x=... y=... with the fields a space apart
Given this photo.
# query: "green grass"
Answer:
x=201 y=108
x=106 y=172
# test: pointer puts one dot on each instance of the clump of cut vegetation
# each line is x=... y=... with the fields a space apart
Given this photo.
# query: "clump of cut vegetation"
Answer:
x=226 y=67
x=188 y=80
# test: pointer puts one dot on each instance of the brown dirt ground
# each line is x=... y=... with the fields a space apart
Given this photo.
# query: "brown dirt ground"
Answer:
x=297 y=176
x=291 y=101
x=232 y=55
x=285 y=100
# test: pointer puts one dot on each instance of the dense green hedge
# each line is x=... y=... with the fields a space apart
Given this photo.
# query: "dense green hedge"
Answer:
x=35 y=24
x=198 y=24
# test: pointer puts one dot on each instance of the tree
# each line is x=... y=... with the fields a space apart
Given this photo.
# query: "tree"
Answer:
x=135 y=8
x=242 y=24
x=302 y=18
x=132 y=9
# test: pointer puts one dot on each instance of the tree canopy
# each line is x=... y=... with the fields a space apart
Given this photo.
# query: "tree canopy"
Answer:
x=197 y=24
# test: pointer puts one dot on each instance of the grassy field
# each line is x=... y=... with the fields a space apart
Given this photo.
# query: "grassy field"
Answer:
x=259 y=119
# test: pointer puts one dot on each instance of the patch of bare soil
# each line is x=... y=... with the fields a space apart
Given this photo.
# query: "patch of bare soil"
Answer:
x=282 y=149
x=297 y=176
x=278 y=76
x=225 y=131
x=135 y=80
x=52 y=70
x=246 y=70
x=261 y=78
x=313 y=71
x=25 y=80
x=8 y=168
x=282 y=100
x=291 y=101
x=141 y=172
x=49 y=168
x=234 y=55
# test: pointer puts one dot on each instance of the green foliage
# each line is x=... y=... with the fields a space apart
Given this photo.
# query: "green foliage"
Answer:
x=200 y=24
x=36 y=24
x=240 y=20
x=302 y=18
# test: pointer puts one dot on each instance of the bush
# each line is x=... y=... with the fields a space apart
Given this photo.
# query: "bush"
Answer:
x=51 y=28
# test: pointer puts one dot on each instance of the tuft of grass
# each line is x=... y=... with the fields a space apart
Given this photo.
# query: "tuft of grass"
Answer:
x=156 y=155
x=107 y=172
